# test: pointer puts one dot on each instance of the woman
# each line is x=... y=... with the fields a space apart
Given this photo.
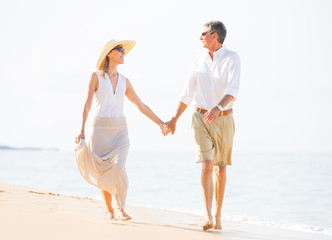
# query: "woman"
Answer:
x=102 y=159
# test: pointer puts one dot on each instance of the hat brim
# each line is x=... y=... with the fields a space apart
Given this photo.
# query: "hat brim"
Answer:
x=128 y=45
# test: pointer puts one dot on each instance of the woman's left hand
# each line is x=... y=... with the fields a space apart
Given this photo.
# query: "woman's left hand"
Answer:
x=79 y=137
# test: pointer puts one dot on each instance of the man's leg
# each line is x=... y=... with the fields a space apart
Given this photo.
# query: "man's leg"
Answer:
x=207 y=185
x=220 y=191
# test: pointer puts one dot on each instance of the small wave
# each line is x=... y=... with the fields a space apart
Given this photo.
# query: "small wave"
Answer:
x=279 y=224
x=255 y=220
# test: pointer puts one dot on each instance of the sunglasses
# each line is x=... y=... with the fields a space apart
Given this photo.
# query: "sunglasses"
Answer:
x=120 y=49
x=204 y=33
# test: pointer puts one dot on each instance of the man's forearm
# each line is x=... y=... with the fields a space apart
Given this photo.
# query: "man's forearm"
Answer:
x=226 y=100
x=181 y=108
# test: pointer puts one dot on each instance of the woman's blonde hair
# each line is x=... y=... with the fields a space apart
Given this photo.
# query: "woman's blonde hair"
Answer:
x=105 y=66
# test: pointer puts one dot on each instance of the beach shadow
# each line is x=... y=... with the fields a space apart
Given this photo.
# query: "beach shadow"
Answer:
x=225 y=233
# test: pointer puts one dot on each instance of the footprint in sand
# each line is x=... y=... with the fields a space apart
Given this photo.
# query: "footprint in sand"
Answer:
x=54 y=194
x=36 y=192
x=3 y=200
x=43 y=193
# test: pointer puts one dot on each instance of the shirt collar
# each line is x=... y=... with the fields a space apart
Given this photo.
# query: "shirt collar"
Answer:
x=217 y=53
x=220 y=51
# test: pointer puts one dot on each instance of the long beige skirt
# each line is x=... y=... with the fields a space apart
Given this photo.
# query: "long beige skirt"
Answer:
x=101 y=160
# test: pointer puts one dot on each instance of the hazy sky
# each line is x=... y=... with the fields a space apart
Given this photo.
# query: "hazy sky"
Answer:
x=49 y=49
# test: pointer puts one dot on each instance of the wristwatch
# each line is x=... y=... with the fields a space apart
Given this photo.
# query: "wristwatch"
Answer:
x=220 y=107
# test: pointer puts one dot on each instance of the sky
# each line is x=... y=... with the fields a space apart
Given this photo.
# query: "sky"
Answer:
x=49 y=50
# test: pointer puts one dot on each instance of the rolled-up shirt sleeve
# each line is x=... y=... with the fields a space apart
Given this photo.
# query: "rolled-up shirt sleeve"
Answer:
x=233 y=77
x=189 y=90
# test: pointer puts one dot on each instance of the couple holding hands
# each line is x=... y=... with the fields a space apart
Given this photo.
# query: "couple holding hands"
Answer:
x=213 y=84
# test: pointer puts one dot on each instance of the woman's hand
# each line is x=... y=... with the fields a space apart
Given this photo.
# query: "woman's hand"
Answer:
x=168 y=127
x=163 y=129
x=80 y=136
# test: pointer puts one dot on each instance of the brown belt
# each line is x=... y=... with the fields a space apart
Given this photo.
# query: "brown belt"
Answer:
x=223 y=113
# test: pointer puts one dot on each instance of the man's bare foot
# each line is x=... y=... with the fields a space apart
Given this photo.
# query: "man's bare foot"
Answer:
x=208 y=225
x=110 y=216
x=124 y=216
x=217 y=225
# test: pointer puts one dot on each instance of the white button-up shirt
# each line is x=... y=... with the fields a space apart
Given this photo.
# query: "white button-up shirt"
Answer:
x=209 y=80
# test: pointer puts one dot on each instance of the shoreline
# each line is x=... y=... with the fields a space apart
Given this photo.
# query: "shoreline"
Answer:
x=255 y=221
x=33 y=214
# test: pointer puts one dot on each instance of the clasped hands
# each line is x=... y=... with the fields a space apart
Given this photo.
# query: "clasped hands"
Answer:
x=170 y=126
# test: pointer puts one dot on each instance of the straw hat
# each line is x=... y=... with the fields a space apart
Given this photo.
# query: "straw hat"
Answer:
x=126 y=44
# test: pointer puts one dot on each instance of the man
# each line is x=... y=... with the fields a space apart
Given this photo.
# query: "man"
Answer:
x=213 y=83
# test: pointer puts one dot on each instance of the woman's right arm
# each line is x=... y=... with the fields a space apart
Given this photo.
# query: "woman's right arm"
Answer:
x=93 y=86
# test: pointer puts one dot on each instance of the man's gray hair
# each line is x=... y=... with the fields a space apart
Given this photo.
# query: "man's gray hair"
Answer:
x=219 y=28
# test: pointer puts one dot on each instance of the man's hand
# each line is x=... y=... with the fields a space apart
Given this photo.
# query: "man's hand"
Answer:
x=168 y=127
x=164 y=129
x=211 y=115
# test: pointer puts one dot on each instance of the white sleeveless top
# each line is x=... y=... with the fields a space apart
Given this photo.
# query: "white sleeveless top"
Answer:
x=108 y=104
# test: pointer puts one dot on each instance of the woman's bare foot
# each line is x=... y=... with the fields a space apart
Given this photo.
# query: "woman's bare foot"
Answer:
x=208 y=225
x=217 y=225
x=124 y=216
x=110 y=215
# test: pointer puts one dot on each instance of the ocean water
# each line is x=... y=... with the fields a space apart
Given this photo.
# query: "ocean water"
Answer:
x=287 y=190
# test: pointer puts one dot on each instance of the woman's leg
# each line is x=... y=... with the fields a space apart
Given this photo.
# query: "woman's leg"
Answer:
x=121 y=193
x=108 y=200
x=124 y=215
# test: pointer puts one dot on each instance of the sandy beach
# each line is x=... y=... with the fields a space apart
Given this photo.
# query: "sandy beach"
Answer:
x=33 y=214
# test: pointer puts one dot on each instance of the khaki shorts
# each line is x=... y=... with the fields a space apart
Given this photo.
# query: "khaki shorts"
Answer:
x=214 y=141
